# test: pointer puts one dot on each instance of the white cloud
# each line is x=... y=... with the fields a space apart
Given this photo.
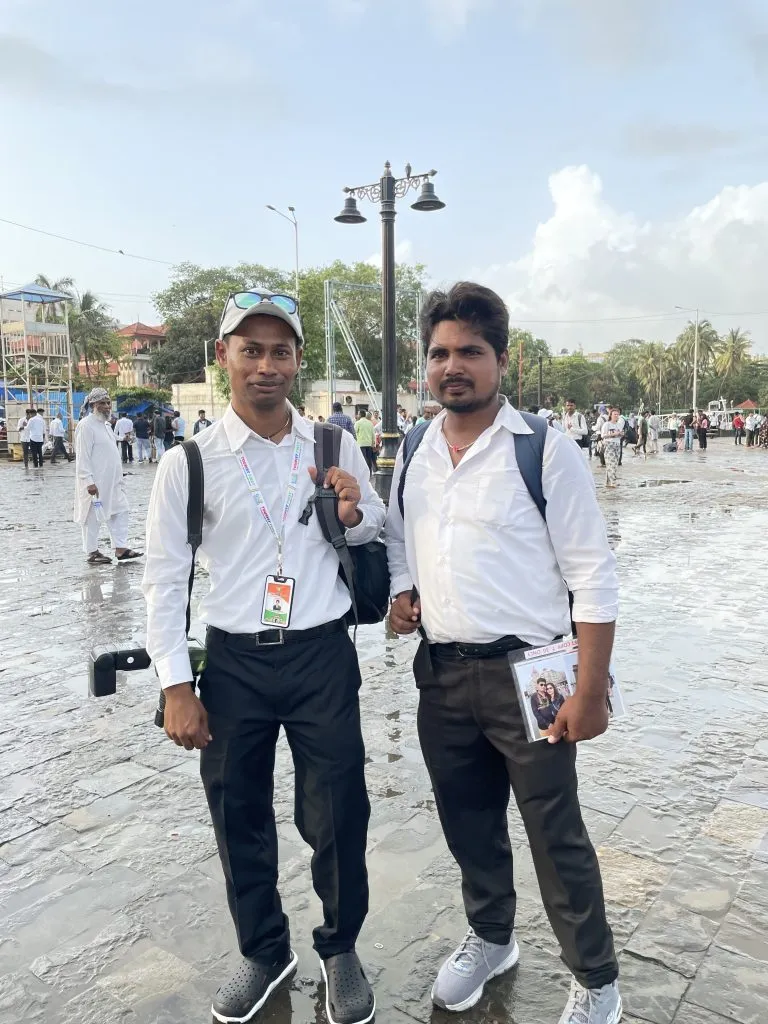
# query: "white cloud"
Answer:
x=590 y=261
x=403 y=254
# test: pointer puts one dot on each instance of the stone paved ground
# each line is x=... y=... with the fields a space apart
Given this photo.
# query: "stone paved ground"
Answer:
x=111 y=898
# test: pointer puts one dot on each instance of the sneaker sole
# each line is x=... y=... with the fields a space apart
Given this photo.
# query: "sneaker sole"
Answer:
x=292 y=965
x=504 y=966
x=329 y=1015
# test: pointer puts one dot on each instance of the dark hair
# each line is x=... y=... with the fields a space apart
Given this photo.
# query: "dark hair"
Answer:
x=337 y=407
x=40 y=412
x=570 y=400
x=474 y=304
x=201 y=412
x=176 y=412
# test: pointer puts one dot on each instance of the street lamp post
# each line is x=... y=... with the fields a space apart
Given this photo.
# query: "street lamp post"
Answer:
x=695 y=357
x=385 y=192
x=291 y=220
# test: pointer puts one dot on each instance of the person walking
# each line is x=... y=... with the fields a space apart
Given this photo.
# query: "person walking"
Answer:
x=641 y=442
x=100 y=494
x=654 y=425
x=690 y=429
x=23 y=429
x=124 y=436
x=37 y=433
x=259 y=469
x=738 y=428
x=158 y=433
x=56 y=432
x=489 y=573
x=612 y=435
x=143 y=444
x=749 y=427
x=201 y=422
x=673 y=426
x=702 y=426
x=340 y=418
x=365 y=438
x=179 y=427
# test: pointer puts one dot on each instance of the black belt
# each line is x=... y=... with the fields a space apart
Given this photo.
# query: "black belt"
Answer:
x=276 y=637
x=458 y=650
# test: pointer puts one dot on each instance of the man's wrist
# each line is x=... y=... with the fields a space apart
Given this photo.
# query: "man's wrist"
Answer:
x=178 y=690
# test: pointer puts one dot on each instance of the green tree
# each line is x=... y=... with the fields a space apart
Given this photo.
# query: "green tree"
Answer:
x=92 y=334
x=63 y=285
x=732 y=352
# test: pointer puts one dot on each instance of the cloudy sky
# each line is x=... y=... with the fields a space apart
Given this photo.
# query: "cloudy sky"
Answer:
x=602 y=161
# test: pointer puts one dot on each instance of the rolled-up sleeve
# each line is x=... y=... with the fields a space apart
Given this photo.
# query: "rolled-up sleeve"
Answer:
x=578 y=532
x=371 y=507
x=394 y=536
x=166 y=573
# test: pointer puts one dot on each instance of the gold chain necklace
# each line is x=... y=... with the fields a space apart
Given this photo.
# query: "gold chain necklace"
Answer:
x=458 y=449
x=270 y=436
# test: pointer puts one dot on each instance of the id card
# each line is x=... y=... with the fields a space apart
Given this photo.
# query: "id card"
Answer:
x=278 y=602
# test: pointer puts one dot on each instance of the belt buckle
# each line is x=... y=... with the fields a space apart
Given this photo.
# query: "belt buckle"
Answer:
x=270 y=643
x=462 y=653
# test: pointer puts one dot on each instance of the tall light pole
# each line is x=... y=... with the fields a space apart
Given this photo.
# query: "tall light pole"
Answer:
x=686 y=309
x=385 y=192
x=291 y=220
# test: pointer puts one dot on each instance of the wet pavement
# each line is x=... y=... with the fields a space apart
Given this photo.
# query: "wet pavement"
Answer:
x=112 y=904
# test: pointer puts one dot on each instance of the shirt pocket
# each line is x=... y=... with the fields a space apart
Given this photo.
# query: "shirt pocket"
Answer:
x=497 y=497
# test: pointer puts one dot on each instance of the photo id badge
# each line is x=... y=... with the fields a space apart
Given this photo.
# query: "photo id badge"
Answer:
x=278 y=602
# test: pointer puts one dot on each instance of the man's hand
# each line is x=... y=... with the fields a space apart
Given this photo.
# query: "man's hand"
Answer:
x=348 y=491
x=186 y=720
x=93 y=489
x=405 y=614
x=579 y=719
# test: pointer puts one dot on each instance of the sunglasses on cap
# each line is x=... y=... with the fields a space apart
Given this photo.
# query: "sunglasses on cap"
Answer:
x=245 y=300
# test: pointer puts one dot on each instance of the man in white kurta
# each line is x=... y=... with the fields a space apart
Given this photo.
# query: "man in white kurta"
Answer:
x=100 y=494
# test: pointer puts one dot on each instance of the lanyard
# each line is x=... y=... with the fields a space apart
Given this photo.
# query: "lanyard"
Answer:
x=258 y=498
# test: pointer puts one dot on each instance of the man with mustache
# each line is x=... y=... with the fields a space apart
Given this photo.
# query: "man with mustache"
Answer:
x=482 y=563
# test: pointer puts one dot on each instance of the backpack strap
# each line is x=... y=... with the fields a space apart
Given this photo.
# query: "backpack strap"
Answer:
x=326 y=502
x=529 y=452
x=195 y=504
x=411 y=442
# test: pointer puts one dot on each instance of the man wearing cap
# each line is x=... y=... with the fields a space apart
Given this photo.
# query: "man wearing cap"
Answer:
x=100 y=494
x=259 y=547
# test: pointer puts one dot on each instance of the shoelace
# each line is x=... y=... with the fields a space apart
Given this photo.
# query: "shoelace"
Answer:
x=581 y=1004
x=470 y=951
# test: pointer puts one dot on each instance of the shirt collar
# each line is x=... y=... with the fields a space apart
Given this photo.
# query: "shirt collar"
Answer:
x=507 y=417
x=238 y=432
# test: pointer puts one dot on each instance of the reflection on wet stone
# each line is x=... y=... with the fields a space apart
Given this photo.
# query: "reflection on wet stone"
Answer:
x=112 y=905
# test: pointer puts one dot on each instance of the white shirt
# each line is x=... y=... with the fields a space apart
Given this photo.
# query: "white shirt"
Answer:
x=750 y=422
x=123 y=427
x=179 y=426
x=37 y=428
x=485 y=563
x=238 y=548
x=56 y=428
x=612 y=431
x=98 y=462
x=23 y=428
x=575 y=425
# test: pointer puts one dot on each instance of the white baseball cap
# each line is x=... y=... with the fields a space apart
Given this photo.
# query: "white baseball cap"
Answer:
x=255 y=302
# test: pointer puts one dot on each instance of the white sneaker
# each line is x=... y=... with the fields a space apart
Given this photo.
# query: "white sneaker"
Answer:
x=461 y=979
x=593 y=1005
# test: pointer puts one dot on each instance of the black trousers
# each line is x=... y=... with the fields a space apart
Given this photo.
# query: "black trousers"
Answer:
x=702 y=439
x=127 y=450
x=369 y=456
x=475 y=748
x=37 y=452
x=311 y=689
x=25 y=451
x=59 y=449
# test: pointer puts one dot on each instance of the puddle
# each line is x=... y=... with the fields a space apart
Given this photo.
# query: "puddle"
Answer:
x=659 y=483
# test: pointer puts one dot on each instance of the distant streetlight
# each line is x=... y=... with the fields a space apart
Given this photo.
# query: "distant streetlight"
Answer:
x=291 y=220
x=687 y=309
x=385 y=192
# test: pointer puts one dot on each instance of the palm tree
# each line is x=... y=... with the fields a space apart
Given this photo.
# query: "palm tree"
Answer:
x=647 y=366
x=63 y=286
x=732 y=352
x=709 y=339
x=92 y=332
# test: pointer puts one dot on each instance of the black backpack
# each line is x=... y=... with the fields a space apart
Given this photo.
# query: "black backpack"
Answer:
x=363 y=567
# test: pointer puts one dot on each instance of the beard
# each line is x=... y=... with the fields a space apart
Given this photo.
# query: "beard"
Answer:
x=100 y=416
x=464 y=404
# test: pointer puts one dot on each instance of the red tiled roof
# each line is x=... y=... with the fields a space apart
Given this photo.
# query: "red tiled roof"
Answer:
x=141 y=330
